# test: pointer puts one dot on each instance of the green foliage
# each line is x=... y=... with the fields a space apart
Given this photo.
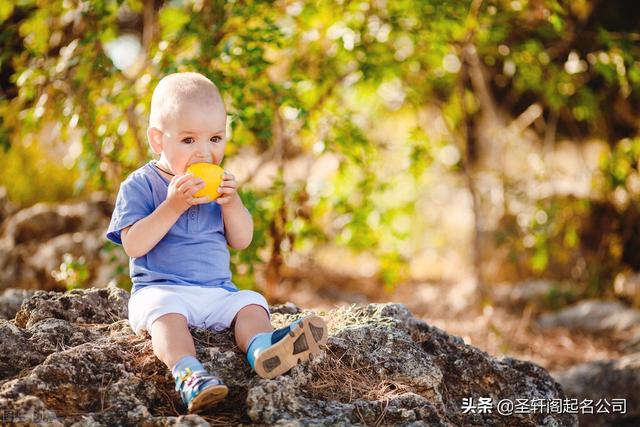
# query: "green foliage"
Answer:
x=73 y=273
x=30 y=175
x=544 y=241
x=112 y=255
x=620 y=170
x=313 y=79
x=243 y=263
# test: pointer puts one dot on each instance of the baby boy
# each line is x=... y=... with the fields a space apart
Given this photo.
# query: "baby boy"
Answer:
x=177 y=244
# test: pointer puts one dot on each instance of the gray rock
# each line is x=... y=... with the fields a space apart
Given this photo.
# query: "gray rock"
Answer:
x=522 y=293
x=609 y=379
x=79 y=305
x=32 y=411
x=24 y=349
x=34 y=240
x=288 y=308
x=48 y=257
x=422 y=375
x=44 y=221
x=73 y=360
x=595 y=317
x=17 y=352
x=11 y=300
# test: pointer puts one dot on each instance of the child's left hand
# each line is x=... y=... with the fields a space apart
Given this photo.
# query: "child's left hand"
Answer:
x=227 y=189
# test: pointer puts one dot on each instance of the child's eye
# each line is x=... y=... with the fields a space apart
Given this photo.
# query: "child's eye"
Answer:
x=188 y=140
x=215 y=139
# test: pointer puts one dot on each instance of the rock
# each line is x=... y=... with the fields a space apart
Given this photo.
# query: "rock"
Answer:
x=10 y=301
x=595 y=317
x=6 y=206
x=386 y=366
x=609 y=379
x=48 y=257
x=627 y=285
x=633 y=345
x=71 y=359
x=522 y=293
x=288 y=308
x=17 y=352
x=34 y=241
x=44 y=221
x=542 y=293
x=79 y=305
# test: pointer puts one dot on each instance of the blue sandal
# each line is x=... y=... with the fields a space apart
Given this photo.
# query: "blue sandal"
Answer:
x=299 y=341
x=200 y=390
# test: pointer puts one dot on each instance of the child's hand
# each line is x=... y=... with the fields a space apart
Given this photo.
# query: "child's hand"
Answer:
x=227 y=189
x=181 y=190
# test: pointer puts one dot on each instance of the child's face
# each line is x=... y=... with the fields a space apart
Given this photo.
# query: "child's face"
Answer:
x=197 y=135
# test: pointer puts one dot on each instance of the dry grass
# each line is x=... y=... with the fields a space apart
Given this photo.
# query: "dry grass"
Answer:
x=148 y=368
x=341 y=318
x=232 y=411
x=337 y=379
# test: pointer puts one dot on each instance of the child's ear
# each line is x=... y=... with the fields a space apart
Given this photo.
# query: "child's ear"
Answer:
x=154 y=135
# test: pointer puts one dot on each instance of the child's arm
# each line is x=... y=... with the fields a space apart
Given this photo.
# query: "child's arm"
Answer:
x=141 y=237
x=238 y=224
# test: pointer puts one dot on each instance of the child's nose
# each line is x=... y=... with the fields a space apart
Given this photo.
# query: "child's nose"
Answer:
x=203 y=151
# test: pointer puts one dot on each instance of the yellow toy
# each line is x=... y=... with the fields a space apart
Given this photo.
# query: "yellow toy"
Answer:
x=211 y=174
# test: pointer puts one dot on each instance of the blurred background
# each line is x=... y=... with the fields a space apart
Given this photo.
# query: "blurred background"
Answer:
x=475 y=160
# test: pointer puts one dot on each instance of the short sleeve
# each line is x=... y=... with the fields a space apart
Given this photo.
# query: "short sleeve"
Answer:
x=134 y=202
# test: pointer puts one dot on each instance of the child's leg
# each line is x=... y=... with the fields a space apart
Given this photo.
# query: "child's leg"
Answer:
x=164 y=311
x=249 y=322
x=173 y=345
x=270 y=352
x=171 y=339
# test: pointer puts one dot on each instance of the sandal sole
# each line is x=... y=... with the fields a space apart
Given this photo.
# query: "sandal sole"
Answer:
x=302 y=341
x=208 y=398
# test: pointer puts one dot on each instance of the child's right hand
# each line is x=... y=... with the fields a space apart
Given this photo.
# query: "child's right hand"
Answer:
x=181 y=191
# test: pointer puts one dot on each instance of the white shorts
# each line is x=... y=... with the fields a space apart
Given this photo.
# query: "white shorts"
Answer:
x=209 y=308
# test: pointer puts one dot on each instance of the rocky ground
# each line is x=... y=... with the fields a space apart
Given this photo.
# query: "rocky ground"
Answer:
x=592 y=348
x=71 y=359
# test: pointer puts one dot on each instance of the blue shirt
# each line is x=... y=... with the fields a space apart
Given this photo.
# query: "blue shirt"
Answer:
x=194 y=251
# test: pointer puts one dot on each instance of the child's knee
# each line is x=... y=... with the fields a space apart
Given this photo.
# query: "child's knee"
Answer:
x=170 y=333
x=253 y=308
x=170 y=322
x=254 y=299
x=156 y=303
